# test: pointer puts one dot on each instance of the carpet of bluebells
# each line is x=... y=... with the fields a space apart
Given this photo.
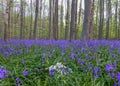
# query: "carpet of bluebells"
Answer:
x=59 y=63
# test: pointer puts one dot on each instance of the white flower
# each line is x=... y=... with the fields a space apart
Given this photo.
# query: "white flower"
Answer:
x=52 y=67
x=60 y=66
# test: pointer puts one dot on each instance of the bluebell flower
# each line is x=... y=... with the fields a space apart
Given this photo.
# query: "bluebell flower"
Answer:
x=82 y=61
x=69 y=70
x=25 y=72
x=93 y=57
x=64 y=59
x=3 y=73
x=113 y=55
x=115 y=84
x=19 y=51
x=87 y=57
x=52 y=72
x=37 y=69
x=18 y=80
x=109 y=68
x=90 y=66
x=96 y=71
x=23 y=62
x=36 y=51
x=12 y=49
x=64 y=72
x=118 y=77
x=6 y=53
x=42 y=59
x=112 y=75
x=72 y=56
x=78 y=60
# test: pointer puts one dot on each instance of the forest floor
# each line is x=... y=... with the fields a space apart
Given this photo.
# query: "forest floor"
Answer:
x=59 y=63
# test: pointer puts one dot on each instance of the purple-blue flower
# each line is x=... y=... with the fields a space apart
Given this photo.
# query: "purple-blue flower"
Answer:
x=96 y=72
x=52 y=72
x=78 y=60
x=37 y=69
x=25 y=72
x=109 y=68
x=69 y=70
x=18 y=80
x=3 y=73
x=118 y=77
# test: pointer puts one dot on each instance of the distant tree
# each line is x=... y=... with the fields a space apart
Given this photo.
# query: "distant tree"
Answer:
x=76 y=14
x=80 y=10
x=116 y=19
x=31 y=19
x=67 y=21
x=100 y=35
x=36 y=20
x=40 y=16
x=55 y=20
x=72 y=23
x=21 y=19
x=119 y=21
x=50 y=19
x=61 y=20
x=108 y=16
x=6 y=30
x=91 y=20
x=86 y=23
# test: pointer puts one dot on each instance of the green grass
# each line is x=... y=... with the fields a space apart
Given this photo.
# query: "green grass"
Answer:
x=80 y=76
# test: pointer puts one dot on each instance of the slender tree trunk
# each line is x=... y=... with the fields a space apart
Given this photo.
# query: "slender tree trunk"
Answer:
x=61 y=20
x=80 y=9
x=55 y=24
x=72 y=23
x=100 y=36
x=67 y=20
x=119 y=22
x=7 y=11
x=115 y=22
x=31 y=21
x=91 y=20
x=36 y=20
x=9 y=20
x=76 y=26
x=86 y=23
x=50 y=19
x=21 y=20
x=108 y=14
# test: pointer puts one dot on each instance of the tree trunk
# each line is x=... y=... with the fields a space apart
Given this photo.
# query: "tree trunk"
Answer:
x=76 y=26
x=72 y=23
x=36 y=20
x=21 y=20
x=67 y=20
x=61 y=20
x=86 y=23
x=55 y=25
x=108 y=14
x=31 y=21
x=115 y=22
x=7 y=11
x=50 y=20
x=91 y=20
x=100 y=36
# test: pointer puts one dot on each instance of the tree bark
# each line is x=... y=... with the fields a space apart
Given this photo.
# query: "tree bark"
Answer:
x=36 y=20
x=67 y=20
x=72 y=23
x=6 y=30
x=86 y=23
x=100 y=36
x=50 y=20
x=55 y=24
